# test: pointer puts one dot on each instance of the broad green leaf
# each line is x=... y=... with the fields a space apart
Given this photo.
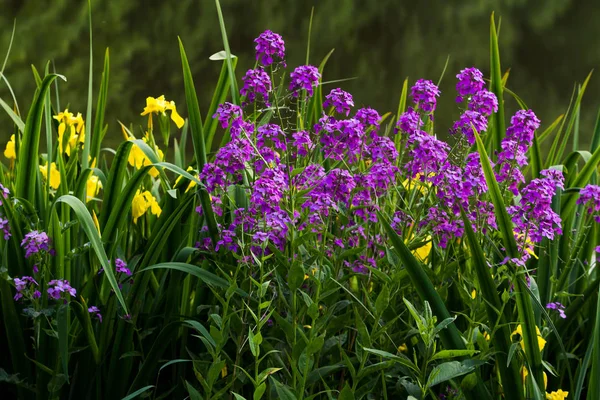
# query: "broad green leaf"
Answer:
x=443 y=354
x=450 y=370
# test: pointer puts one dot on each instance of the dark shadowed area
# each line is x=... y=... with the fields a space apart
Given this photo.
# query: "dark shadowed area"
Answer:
x=547 y=46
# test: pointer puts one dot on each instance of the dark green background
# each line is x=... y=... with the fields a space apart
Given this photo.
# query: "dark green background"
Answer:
x=546 y=44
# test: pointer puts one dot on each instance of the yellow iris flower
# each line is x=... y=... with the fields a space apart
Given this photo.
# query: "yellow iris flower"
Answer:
x=93 y=186
x=9 y=151
x=54 y=175
x=422 y=252
x=137 y=158
x=541 y=340
x=160 y=105
x=557 y=395
x=524 y=374
x=192 y=183
x=143 y=201
x=76 y=127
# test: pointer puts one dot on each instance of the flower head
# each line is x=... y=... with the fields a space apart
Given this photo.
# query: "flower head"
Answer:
x=35 y=242
x=341 y=100
x=409 y=122
x=557 y=395
x=368 y=117
x=470 y=81
x=76 y=130
x=121 y=267
x=93 y=186
x=304 y=77
x=518 y=333
x=484 y=102
x=142 y=201
x=160 y=106
x=590 y=197
x=269 y=44
x=5 y=227
x=57 y=287
x=54 y=175
x=9 y=151
x=226 y=112
x=467 y=121
x=96 y=312
x=26 y=286
x=558 y=307
x=256 y=83
x=424 y=94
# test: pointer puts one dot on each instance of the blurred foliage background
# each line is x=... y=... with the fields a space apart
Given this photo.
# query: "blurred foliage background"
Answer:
x=548 y=45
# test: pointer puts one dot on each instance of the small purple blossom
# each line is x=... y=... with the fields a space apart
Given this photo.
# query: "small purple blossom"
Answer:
x=256 y=83
x=24 y=287
x=4 y=192
x=121 y=267
x=303 y=143
x=226 y=112
x=5 y=228
x=59 y=286
x=304 y=77
x=558 y=307
x=590 y=197
x=273 y=132
x=341 y=100
x=368 y=117
x=467 y=121
x=96 y=312
x=424 y=94
x=470 y=81
x=409 y=122
x=484 y=102
x=35 y=242
x=269 y=44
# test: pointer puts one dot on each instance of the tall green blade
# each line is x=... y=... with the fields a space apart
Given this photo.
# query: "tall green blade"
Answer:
x=499 y=124
x=88 y=114
x=233 y=85
x=594 y=384
x=219 y=96
x=96 y=135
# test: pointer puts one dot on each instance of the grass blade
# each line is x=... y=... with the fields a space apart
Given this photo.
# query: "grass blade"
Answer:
x=232 y=84
x=594 y=384
x=96 y=135
x=88 y=114
x=499 y=124
x=219 y=96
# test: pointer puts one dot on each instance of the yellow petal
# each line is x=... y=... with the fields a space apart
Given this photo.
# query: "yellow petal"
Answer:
x=9 y=151
x=176 y=117
x=93 y=186
x=95 y=219
x=139 y=205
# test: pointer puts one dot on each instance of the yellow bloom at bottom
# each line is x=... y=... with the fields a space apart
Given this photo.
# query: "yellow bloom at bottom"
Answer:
x=403 y=348
x=54 y=175
x=557 y=395
x=541 y=340
x=524 y=374
x=93 y=186
x=143 y=201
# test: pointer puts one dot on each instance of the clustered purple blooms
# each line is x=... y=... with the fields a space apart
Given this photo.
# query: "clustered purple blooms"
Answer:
x=470 y=81
x=4 y=192
x=24 y=286
x=342 y=101
x=256 y=83
x=272 y=132
x=59 y=286
x=269 y=44
x=121 y=266
x=302 y=142
x=558 y=307
x=409 y=122
x=5 y=228
x=226 y=112
x=484 y=102
x=35 y=242
x=424 y=94
x=467 y=121
x=590 y=197
x=96 y=312
x=368 y=117
x=304 y=77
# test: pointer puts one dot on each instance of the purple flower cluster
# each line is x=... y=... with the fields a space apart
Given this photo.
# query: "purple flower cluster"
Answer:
x=5 y=228
x=443 y=225
x=467 y=121
x=368 y=117
x=302 y=142
x=121 y=267
x=304 y=77
x=226 y=112
x=342 y=101
x=558 y=307
x=484 y=102
x=272 y=132
x=26 y=286
x=57 y=287
x=4 y=192
x=95 y=311
x=428 y=156
x=35 y=242
x=470 y=81
x=409 y=122
x=256 y=83
x=268 y=45
x=590 y=197
x=424 y=94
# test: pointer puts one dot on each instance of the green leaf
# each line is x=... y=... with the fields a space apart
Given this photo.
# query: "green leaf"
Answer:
x=383 y=300
x=27 y=169
x=88 y=114
x=594 y=384
x=194 y=394
x=499 y=124
x=259 y=391
x=219 y=97
x=346 y=393
x=402 y=360
x=228 y=56
x=450 y=370
x=443 y=354
x=570 y=199
x=283 y=391
x=15 y=118
x=87 y=224
x=138 y=392
x=97 y=132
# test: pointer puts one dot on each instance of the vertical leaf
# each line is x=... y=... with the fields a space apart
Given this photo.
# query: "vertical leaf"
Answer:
x=496 y=86
x=97 y=134
x=233 y=85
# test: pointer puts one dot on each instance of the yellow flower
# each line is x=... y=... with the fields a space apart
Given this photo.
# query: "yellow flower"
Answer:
x=422 y=252
x=403 y=348
x=557 y=395
x=192 y=183
x=474 y=294
x=54 y=175
x=93 y=186
x=224 y=372
x=524 y=374
x=529 y=245
x=160 y=105
x=9 y=151
x=95 y=219
x=142 y=201
x=486 y=336
x=416 y=183
x=137 y=158
x=519 y=331
x=76 y=127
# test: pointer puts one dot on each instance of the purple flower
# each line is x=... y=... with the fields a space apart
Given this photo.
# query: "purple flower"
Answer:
x=382 y=148
x=212 y=176
x=24 y=285
x=590 y=197
x=470 y=81
x=522 y=127
x=558 y=307
x=4 y=192
x=226 y=112
x=5 y=228
x=598 y=249
x=345 y=137
x=304 y=77
x=424 y=94
x=368 y=117
x=35 y=242
x=269 y=44
x=95 y=311
x=443 y=225
x=227 y=240
x=361 y=265
x=121 y=267
x=338 y=183
x=341 y=100
x=273 y=132
x=484 y=102
x=303 y=143
x=256 y=83
x=473 y=174
x=409 y=122
x=57 y=287
x=428 y=156
x=467 y=121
